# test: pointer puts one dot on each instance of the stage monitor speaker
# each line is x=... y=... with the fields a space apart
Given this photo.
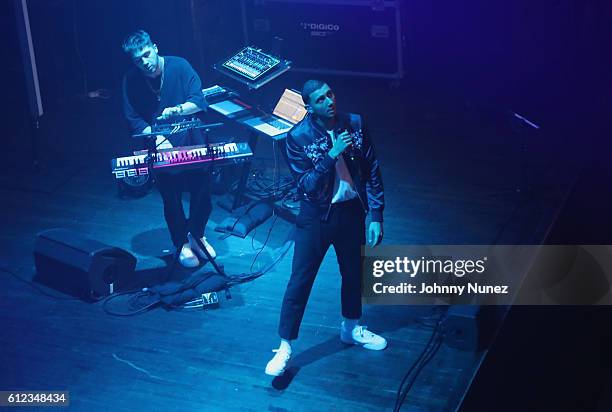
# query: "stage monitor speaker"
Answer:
x=469 y=327
x=81 y=267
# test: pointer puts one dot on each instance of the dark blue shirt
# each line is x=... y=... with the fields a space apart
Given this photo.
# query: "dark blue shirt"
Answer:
x=140 y=98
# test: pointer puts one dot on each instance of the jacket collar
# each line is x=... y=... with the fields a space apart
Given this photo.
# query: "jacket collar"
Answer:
x=341 y=118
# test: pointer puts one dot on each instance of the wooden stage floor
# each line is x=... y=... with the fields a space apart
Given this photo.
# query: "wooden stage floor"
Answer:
x=441 y=188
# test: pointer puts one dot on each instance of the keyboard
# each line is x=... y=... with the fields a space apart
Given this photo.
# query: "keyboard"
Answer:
x=278 y=124
x=179 y=158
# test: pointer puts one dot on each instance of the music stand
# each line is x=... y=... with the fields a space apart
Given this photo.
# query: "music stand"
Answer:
x=212 y=261
x=520 y=125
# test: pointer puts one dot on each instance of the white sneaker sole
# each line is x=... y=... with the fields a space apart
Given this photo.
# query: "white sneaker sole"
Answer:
x=274 y=373
x=190 y=262
x=271 y=372
x=370 y=346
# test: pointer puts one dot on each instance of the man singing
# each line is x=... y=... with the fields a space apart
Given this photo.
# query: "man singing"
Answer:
x=331 y=156
x=167 y=87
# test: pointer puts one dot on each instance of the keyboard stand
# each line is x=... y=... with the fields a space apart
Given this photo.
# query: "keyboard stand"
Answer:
x=244 y=175
x=283 y=67
x=252 y=140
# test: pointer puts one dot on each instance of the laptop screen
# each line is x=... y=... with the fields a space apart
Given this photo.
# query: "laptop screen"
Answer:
x=290 y=107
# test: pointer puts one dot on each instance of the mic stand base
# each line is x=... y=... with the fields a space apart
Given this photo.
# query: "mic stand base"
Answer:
x=212 y=260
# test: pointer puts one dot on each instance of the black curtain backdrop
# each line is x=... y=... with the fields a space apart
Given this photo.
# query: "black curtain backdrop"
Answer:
x=544 y=59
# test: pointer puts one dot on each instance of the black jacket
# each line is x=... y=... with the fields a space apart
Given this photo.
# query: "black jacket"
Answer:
x=141 y=106
x=308 y=145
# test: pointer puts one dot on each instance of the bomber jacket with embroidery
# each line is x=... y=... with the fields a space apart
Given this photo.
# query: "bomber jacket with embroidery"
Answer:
x=313 y=168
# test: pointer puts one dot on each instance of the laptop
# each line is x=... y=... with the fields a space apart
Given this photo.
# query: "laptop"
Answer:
x=288 y=112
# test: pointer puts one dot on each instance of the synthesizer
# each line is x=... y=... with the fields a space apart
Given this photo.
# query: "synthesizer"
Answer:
x=177 y=127
x=252 y=67
x=251 y=63
x=179 y=158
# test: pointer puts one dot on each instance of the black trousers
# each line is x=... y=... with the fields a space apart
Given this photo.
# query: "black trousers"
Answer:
x=171 y=187
x=345 y=230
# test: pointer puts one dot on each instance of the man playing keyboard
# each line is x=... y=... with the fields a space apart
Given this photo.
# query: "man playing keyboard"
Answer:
x=160 y=88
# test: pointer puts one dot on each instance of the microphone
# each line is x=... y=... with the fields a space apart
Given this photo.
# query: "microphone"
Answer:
x=350 y=151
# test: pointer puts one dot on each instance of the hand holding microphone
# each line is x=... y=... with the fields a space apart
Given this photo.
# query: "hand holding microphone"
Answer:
x=342 y=142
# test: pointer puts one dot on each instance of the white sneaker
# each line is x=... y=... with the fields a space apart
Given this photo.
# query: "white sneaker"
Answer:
x=211 y=251
x=278 y=363
x=360 y=335
x=187 y=258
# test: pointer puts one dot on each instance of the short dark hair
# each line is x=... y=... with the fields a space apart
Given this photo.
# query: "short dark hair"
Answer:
x=309 y=87
x=136 y=41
